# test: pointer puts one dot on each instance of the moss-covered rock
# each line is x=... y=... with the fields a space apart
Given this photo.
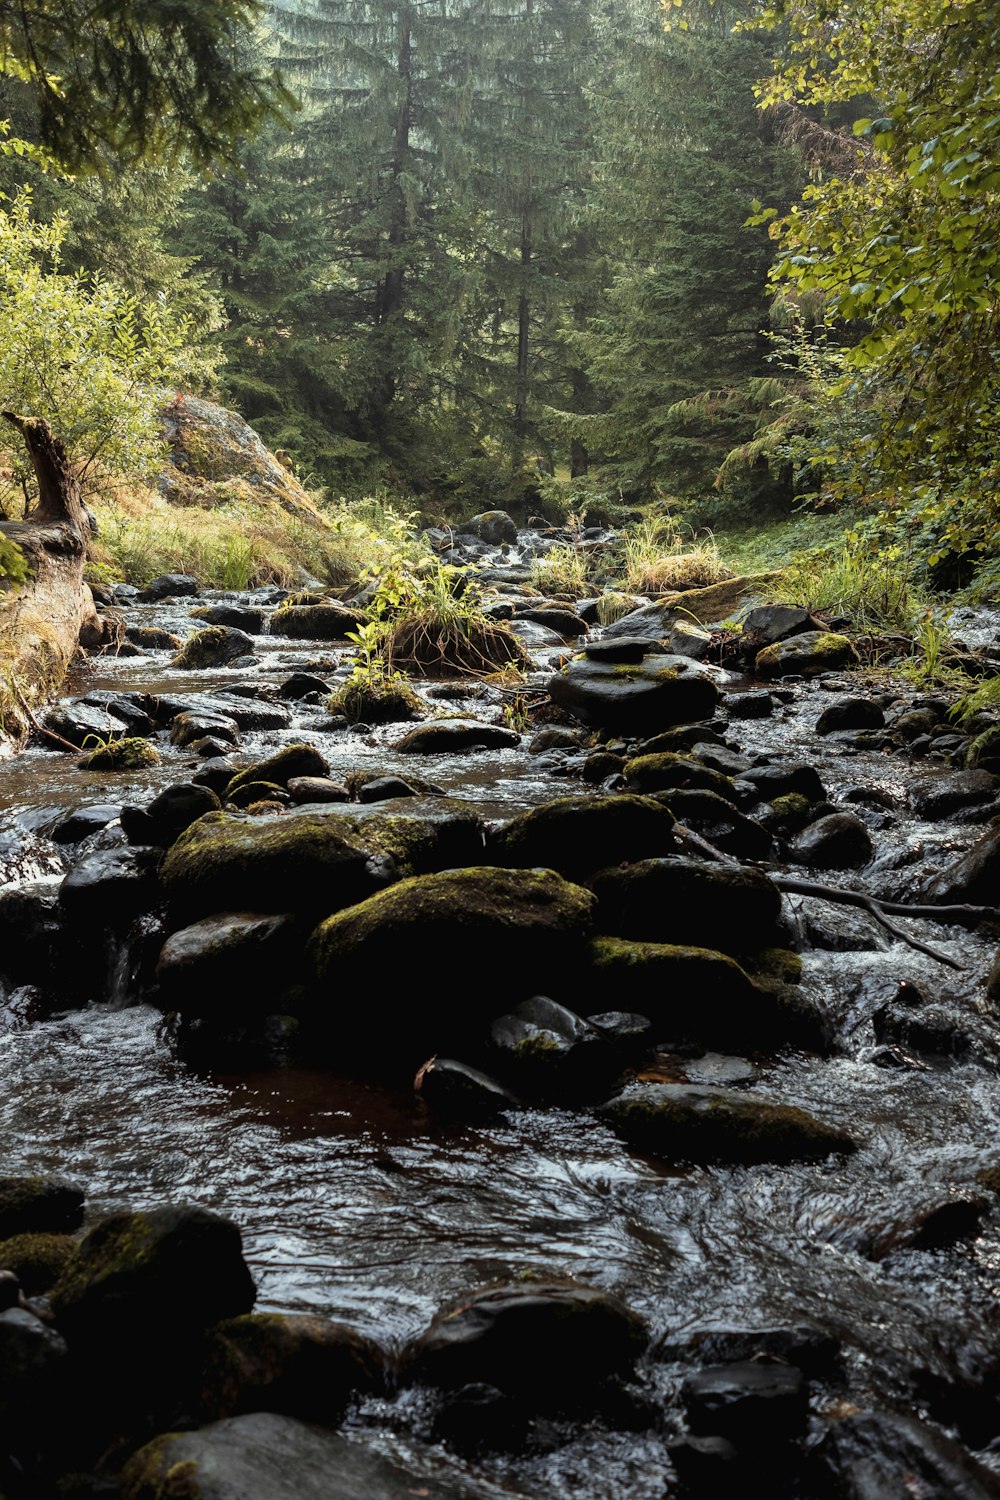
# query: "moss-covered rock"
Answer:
x=304 y=1366
x=317 y=859
x=376 y=700
x=39 y=1205
x=807 y=655
x=671 y=772
x=577 y=835
x=153 y=638
x=215 y=646
x=251 y=793
x=129 y=754
x=280 y=768
x=790 y=813
x=680 y=1123
x=678 y=900
x=37 y=1260
x=328 y=621
x=635 y=698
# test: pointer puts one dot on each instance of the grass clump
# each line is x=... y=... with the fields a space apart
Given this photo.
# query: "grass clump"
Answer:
x=375 y=697
x=658 y=557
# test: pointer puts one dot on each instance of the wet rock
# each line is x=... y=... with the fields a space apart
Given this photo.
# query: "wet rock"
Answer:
x=770 y=623
x=238 y=961
x=152 y=638
x=839 y=929
x=174 y=809
x=666 y=773
x=548 y=1052
x=111 y=886
x=914 y=724
x=621 y=648
x=494 y=527
x=808 y=1349
x=635 y=699
x=131 y=708
x=850 y=713
x=265 y=1456
x=141 y=1285
x=650 y=622
x=245 y=713
x=236 y=616
x=39 y=1205
x=717 y=820
x=556 y=739
x=781 y=779
x=749 y=1402
x=458 y=1092
x=973 y=878
x=564 y=622
x=456 y=737
x=190 y=727
x=840 y=841
x=33 y=1361
x=554 y=1343
x=881 y=1454
x=300 y=1366
x=691 y=901
x=169 y=586
x=577 y=835
x=629 y=1033
x=257 y=794
x=288 y=762
x=35 y=945
x=985 y=749
x=944 y=1218
x=934 y=797
x=10 y=1290
x=601 y=765
x=680 y=1123
x=936 y=1030
x=328 y=621
x=36 y=1260
x=682 y=740
x=381 y=788
x=315 y=859
x=806 y=655
x=83 y=821
x=301 y=685
x=719 y=758
x=215 y=646
x=753 y=705
x=82 y=722
x=684 y=638
x=316 y=789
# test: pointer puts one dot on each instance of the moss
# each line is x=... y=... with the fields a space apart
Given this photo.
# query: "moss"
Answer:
x=791 y=811
x=325 y=621
x=212 y=647
x=37 y=1260
x=777 y=963
x=680 y=1123
x=130 y=754
x=249 y=792
x=807 y=654
x=149 y=1474
x=672 y=772
x=280 y=768
x=376 y=700
x=153 y=638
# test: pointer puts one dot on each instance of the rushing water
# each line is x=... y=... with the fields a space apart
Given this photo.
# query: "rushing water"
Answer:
x=355 y=1204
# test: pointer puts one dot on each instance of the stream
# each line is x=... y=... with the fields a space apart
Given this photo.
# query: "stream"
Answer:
x=356 y=1204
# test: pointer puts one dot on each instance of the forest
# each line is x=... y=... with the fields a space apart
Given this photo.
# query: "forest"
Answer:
x=499 y=750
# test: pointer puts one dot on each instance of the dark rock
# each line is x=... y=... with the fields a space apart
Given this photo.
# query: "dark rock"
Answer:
x=83 y=821
x=808 y=1349
x=494 y=527
x=280 y=768
x=563 y=621
x=190 y=727
x=681 y=900
x=33 y=1361
x=680 y=1123
x=455 y=737
x=176 y=808
x=256 y=793
x=39 y=1205
x=752 y=705
x=316 y=789
x=152 y=638
x=554 y=1343
x=126 y=754
x=167 y=586
x=600 y=765
x=35 y=945
x=840 y=841
x=265 y=1456
x=935 y=1030
x=850 y=713
x=36 y=1260
x=666 y=773
x=769 y=623
x=879 y=1454
x=328 y=621
x=806 y=655
x=973 y=878
x=942 y=796
x=131 y=708
x=215 y=646
x=299 y=1365
x=81 y=723
x=755 y=1402
x=653 y=694
x=459 y=1092
x=629 y=1033
x=111 y=886
x=719 y=821
x=650 y=622
x=236 y=962
x=556 y=739
x=577 y=835
x=245 y=713
x=301 y=684
x=237 y=616
x=681 y=741
x=10 y=1290
x=622 y=648
x=380 y=788
x=719 y=758
x=549 y=1053
x=217 y=774
x=781 y=779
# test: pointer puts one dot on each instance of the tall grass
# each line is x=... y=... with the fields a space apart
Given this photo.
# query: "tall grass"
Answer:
x=659 y=557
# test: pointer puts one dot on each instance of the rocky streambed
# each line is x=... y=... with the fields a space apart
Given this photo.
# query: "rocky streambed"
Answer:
x=698 y=1180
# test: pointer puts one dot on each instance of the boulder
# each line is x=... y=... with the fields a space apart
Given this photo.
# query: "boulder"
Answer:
x=850 y=713
x=620 y=648
x=456 y=737
x=769 y=623
x=169 y=586
x=806 y=655
x=33 y=1363
x=302 y=685
x=246 y=713
x=881 y=1454
x=215 y=646
x=672 y=772
x=680 y=1123
x=747 y=1402
x=236 y=616
x=174 y=809
x=83 y=821
x=635 y=698
x=680 y=900
x=547 y=1052
x=187 y=728
x=717 y=820
x=783 y=779
x=34 y=1205
x=457 y=1092
x=578 y=835
x=563 y=622
x=328 y=621
x=300 y=1365
x=109 y=887
x=81 y=723
x=942 y=796
x=235 y=963
x=288 y=762
x=152 y=638
x=127 y=754
x=972 y=878
x=37 y=1260
x=495 y=527
x=756 y=704
x=316 y=789
x=840 y=841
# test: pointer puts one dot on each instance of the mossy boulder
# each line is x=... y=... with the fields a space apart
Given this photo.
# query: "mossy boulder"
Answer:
x=252 y=793
x=678 y=900
x=144 y=1283
x=376 y=700
x=806 y=655
x=215 y=646
x=153 y=638
x=316 y=859
x=37 y=1260
x=280 y=768
x=128 y=754
x=577 y=835
x=492 y=931
x=554 y=1343
x=238 y=616
x=680 y=1123
x=635 y=698
x=671 y=772
x=303 y=1366
x=328 y=621
x=39 y=1205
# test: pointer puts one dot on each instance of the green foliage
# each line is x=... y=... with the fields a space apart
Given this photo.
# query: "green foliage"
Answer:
x=869 y=578
x=13 y=564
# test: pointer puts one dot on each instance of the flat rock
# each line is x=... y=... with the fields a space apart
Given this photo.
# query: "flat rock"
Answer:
x=578 y=835
x=635 y=698
x=456 y=736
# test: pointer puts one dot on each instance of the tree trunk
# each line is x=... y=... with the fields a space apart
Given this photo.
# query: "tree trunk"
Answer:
x=41 y=623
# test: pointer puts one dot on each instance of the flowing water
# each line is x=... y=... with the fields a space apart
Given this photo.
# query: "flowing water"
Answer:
x=356 y=1205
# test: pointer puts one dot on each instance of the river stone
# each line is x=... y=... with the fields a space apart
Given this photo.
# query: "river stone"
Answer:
x=215 y=646
x=36 y=947
x=495 y=527
x=316 y=789
x=934 y=797
x=577 y=835
x=671 y=772
x=266 y=1456
x=497 y=925
x=84 y=724
x=681 y=740
x=692 y=901
x=850 y=713
x=237 y=616
x=548 y=1052
x=648 y=623
x=806 y=655
x=153 y=638
x=627 y=648
x=458 y=1092
x=784 y=778
x=32 y=1370
x=39 y=1205
x=973 y=878
x=315 y=859
x=246 y=713
x=756 y=704
x=301 y=685
x=770 y=623
x=176 y=808
x=681 y=1123
x=280 y=768
x=840 y=841
x=687 y=639
x=109 y=887
x=552 y=1343
x=328 y=621
x=455 y=737
x=140 y=1282
x=169 y=585
x=877 y=1455
x=236 y=962
x=809 y=1349
x=83 y=821
x=747 y=1401
x=563 y=622
x=36 y=1260
x=299 y=1365
x=635 y=699
x=131 y=708
x=188 y=727
x=717 y=820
